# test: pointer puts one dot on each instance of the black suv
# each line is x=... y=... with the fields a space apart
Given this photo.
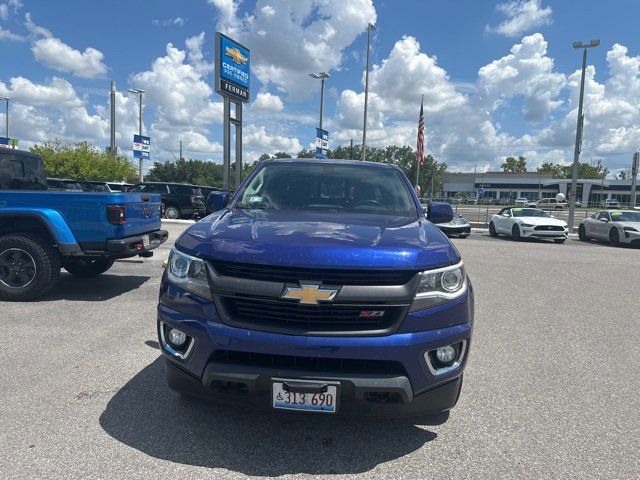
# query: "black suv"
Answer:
x=20 y=170
x=179 y=200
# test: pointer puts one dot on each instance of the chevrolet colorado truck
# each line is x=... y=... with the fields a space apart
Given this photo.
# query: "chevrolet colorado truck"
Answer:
x=43 y=231
x=319 y=286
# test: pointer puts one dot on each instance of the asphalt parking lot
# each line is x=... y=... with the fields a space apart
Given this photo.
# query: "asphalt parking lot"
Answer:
x=551 y=390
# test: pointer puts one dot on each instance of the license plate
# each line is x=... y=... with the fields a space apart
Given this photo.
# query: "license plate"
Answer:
x=145 y=241
x=305 y=396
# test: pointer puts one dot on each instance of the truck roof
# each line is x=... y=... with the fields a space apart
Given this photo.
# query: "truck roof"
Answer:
x=334 y=161
x=20 y=153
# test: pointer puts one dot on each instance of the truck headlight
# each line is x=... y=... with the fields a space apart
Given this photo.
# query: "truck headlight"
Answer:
x=439 y=286
x=188 y=272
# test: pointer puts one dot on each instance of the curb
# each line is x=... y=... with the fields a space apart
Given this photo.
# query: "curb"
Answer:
x=178 y=222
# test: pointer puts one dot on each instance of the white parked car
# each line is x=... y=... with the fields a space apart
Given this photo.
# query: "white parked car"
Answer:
x=519 y=223
x=521 y=202
x=551 y=203
x=610 y=203
x=614 y=226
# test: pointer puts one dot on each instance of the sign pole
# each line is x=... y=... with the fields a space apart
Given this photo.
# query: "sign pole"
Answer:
x=238 y=165
x=226 y=143
x=634 y=178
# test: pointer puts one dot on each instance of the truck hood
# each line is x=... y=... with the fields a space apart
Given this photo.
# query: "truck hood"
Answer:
x=324 y=240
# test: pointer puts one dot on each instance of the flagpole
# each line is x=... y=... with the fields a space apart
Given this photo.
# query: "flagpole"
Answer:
x=418 y=159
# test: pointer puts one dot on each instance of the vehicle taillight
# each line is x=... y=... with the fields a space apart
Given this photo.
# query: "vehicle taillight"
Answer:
x=116 y=214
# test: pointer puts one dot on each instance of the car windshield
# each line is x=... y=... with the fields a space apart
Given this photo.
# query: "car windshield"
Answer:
x=528 y=212
x=328 y=187
x=625 y=216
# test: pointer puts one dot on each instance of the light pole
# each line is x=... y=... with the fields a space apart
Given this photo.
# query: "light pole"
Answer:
x=370 y=27
x=578 y=146
x=6 y=116
x=321 y=76
x=139 y=92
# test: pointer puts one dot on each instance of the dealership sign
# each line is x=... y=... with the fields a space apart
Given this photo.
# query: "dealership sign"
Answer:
x=232 y=68
x=322 y=143
x=8 y=142
x=141 y=146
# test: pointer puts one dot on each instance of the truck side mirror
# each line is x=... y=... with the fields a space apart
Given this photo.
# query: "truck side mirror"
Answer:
x=217 y=201
x=439 y=212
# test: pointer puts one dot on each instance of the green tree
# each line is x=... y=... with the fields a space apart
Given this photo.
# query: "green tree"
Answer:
x=197 y=172
x=552 y=168
x=591 y=170
x=82 y=162
x=511 y=165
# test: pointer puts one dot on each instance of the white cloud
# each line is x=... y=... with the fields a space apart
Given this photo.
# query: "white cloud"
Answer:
x=8 y=35
x=291 y=38
x=58 y=93
x=266 y=102
x=179 y=21
x=259 y=139
x=176 y=86
x=56 y=54
x=522 y=16
x=526 y=72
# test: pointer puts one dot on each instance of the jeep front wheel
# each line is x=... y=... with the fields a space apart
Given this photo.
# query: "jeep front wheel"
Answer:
x=29 y=267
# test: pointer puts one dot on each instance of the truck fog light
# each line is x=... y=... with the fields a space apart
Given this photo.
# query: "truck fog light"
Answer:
x=176 y=337
x=446 y=354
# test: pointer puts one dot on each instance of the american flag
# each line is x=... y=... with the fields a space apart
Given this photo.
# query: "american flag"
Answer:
x=420 y=147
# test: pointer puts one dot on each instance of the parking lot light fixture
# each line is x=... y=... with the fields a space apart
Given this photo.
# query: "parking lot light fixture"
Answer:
x=322 y=76
x=6 y=116
x=578 y=145
x=139 y=92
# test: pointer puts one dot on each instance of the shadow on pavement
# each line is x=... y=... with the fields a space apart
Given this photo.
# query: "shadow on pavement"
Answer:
x=100 y=288
x=149 y=417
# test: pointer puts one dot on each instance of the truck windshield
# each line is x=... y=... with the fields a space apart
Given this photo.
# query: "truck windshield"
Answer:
x=330 y=187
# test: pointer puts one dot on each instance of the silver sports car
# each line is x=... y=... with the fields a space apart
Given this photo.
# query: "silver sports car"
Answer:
x=614 y=226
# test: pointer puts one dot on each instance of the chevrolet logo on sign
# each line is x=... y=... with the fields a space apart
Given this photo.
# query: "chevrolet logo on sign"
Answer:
x=310 y=294
x=236 y=55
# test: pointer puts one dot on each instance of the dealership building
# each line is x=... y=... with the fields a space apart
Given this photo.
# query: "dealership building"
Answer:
x=533 y=186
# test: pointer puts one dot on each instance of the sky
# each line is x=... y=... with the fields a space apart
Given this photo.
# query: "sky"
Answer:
x=499 y=77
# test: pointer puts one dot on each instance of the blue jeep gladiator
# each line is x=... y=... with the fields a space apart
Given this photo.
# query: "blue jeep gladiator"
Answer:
x=320 y=286
x=43 y=231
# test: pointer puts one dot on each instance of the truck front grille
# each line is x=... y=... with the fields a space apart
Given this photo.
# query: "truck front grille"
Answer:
x=314 y=364
x=281 y=274
x=284 y=316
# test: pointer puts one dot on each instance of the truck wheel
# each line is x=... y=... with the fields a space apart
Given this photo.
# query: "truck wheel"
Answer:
x=88 y=267
x=29 y=267
x=172 y=212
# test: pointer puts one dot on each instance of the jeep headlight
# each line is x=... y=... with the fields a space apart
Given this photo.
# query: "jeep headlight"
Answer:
x=440 y=286
x=188 y=272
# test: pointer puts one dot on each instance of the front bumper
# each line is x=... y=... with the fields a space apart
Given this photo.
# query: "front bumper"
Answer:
x=134 y=245
x=414 y=389
x=530 y=232
x=360 y=395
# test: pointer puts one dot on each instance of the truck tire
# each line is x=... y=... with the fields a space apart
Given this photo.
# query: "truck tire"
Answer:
x=171 y=212
x=88 y=267
x=29 y=266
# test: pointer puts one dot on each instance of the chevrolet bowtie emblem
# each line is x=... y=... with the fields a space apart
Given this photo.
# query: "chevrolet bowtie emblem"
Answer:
x=310 y=294
x=236 y=55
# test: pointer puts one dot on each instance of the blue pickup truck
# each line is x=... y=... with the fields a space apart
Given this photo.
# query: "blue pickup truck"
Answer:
x=43 y=231
x=320 y=286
